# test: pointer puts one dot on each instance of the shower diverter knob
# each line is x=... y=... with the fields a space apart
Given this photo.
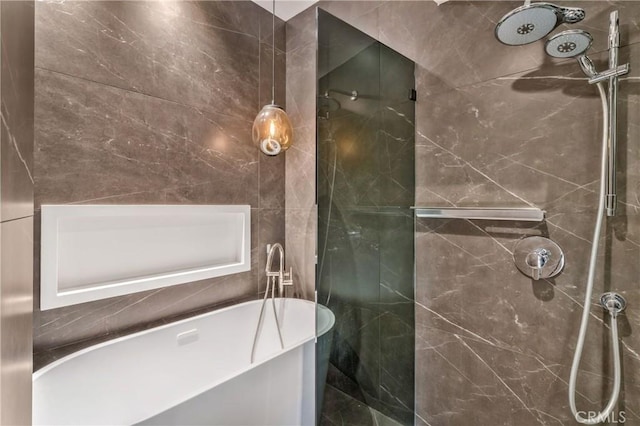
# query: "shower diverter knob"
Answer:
x=538 y=257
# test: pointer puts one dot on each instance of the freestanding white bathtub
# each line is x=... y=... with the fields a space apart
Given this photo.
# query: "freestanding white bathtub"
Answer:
x=192 y=372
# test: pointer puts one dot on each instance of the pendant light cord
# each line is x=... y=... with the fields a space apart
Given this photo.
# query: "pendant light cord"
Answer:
x=273 y=55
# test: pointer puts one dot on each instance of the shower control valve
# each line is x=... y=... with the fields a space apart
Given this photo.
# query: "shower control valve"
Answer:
x=538 y=257
x=536 y=260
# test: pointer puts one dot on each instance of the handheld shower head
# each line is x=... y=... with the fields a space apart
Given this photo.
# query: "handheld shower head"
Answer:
x=569 y=44
x=587 y=66
x=534 y=21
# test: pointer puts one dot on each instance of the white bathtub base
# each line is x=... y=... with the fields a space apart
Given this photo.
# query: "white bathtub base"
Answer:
x=192 y=372
x=271 y=394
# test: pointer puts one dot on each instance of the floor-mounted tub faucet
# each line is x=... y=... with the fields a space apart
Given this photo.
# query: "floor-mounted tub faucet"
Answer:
x=283 y=278
x=279 y=278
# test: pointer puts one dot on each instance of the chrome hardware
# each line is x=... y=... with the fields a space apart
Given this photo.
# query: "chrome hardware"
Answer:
x=538 y=257
x=536 y=260
x=354 y=95
x=480 y=213
x=606 y=75
x=571 y=15
x=534 y=21
x=286 y=281
x=614 y=43
x=613 y=302
x=611 y=75
x=278 y=278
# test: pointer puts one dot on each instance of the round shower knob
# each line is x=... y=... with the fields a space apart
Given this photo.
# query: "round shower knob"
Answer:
x=538 y=257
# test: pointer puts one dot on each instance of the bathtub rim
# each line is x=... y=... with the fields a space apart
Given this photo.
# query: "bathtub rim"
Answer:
x=324 y=310
x=197 y=391
x=51 y=366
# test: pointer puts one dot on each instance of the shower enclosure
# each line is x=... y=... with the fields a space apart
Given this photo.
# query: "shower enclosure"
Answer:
x=365 y=190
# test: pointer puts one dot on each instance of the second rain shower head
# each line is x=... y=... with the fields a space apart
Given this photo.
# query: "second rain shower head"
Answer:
x=568 y=44
x=534 y=21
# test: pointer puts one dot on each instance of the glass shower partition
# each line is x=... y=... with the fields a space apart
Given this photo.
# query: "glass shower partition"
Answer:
x=365 y=190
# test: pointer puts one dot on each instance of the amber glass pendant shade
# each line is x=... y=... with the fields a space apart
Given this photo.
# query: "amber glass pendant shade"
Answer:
x=272 y=131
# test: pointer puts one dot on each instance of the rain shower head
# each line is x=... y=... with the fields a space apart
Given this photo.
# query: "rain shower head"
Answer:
x=328 y=103
x=568 y=44
x=532 y=22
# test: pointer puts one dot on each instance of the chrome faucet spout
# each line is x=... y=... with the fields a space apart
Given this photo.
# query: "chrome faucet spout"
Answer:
x=269 y=265
x=283 y=278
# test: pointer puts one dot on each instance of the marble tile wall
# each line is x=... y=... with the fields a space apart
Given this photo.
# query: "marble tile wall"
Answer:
x=144 y=102
x=16 y=210
x=300 y=182
x=499 y=125
x=366 y=180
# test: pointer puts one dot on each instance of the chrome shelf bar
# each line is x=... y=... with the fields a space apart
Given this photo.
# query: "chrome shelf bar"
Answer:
x=488 y=213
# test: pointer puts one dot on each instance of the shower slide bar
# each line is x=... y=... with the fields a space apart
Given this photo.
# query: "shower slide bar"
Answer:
x=487 y=213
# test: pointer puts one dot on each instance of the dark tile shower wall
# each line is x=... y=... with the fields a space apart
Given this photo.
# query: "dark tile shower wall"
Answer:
x=152 y=103
x=366 y=179
x=507 y=126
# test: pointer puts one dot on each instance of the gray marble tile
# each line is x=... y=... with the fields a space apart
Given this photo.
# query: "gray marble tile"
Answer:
x=300 y=240
x=157 y=108
x=301 y=83
x=342 y=409
x=397 y=366
x=506 y=136
x=364 y=183
x=363 y=15
x=271 y=231
x=266 y=29
x=301 y=30
x=517 y=330
x=266 y=63
x=355 y=351
x=16 y=239
x=272 y=169
x=341 y=44
x=59 y=332
x=58 y=328
x=272 y=181
x=232 y=15
x=143 y=47
x=300 y=170
x=467 y=28
x=300 y=214
x=597 y=21
x=499 y=125
x=44 y=357
x=118 y=142
x=16 y=131
x=628 y=175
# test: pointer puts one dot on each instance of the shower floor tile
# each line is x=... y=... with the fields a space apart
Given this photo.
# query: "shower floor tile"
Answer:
x=342 y=410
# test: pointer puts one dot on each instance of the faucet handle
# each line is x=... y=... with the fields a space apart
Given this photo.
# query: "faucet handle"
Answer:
x=536 y=261
x=538 y=257
x=288 y=277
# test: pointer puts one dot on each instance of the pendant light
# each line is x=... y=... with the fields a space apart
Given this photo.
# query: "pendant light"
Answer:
x=272 y=131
